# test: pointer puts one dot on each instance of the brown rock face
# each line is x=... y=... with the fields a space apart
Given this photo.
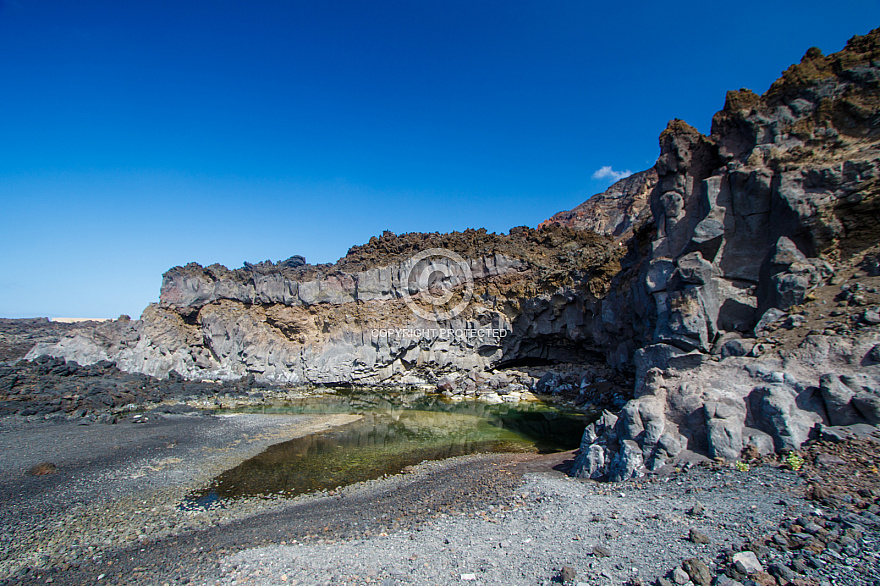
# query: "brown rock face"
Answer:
x=617 y=212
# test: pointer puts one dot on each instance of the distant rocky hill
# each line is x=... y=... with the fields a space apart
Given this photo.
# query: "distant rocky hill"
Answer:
x=617 y=212
x=736 y=281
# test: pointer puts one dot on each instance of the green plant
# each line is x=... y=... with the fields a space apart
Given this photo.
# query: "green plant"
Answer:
x=793 y=461
x=742 y=466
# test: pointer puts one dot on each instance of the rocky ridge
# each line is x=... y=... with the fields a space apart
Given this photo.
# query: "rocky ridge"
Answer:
x=353 y=323
x=750 y=224
x=617 y=212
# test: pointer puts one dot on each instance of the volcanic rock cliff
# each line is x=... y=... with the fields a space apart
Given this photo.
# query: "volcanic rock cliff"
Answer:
x=748 y=227
x=531 y=297
x=735 y=280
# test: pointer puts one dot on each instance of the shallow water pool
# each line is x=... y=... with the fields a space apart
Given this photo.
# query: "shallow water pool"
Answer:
x=397 y=430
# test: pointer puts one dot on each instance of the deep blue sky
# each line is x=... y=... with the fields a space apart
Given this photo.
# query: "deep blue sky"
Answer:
x=141 y=135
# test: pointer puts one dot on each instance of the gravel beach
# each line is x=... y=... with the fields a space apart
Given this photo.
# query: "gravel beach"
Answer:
x=112 y=485
x=110 y=513
x=608 y=534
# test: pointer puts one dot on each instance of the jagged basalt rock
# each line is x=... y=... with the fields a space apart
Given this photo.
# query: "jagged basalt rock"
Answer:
x=747 y=224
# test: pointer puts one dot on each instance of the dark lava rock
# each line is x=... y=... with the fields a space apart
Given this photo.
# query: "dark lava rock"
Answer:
x=698 y=571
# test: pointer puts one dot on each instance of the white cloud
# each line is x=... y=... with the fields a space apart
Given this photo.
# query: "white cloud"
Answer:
x=607 y=172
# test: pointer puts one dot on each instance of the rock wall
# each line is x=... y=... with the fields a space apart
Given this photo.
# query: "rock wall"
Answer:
x=748 y=224
x=532 y=295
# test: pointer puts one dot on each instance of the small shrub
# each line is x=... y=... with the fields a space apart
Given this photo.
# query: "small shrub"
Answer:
x=793 y=461
x=742 y=466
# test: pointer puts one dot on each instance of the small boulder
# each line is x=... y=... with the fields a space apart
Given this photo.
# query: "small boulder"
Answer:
x=746 y=562
x=868 y=406
x=770 y=317
x=782 y=573
x=698 y=571
x=837 y=397
x=763 y=579
x=736 y=347
x=696 y=511
x=43 y=469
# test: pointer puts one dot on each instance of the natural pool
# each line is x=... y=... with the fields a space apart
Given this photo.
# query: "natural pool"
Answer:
x=397 y=430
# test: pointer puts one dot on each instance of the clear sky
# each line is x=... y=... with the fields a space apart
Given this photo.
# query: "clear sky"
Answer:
x=136 y=136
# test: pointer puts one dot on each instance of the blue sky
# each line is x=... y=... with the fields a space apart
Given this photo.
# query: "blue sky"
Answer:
x=141 y=135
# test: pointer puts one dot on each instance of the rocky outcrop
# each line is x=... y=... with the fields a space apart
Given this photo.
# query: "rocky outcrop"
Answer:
x=748 y=223
x=18 y=336
x=194 y=287
x=524 y=297
x=617 y=212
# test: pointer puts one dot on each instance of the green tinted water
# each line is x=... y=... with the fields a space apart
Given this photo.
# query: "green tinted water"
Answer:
x=396 y=430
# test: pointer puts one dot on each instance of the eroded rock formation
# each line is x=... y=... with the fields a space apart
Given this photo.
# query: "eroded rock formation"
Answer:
x=533 y=298
x=748 y=224
x=714 y=277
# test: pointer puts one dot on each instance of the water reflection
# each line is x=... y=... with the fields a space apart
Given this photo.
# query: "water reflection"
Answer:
x=396 y=431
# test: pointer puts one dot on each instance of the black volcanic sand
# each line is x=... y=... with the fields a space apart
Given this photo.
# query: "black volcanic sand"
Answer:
x=70 y=491
x=402 y=502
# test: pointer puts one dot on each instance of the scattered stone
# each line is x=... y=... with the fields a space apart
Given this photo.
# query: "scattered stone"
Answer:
x=567 y=574
x=600 y=551
x=871 y=316
x=698 y=538
x=746 y=562
x=680 y=577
